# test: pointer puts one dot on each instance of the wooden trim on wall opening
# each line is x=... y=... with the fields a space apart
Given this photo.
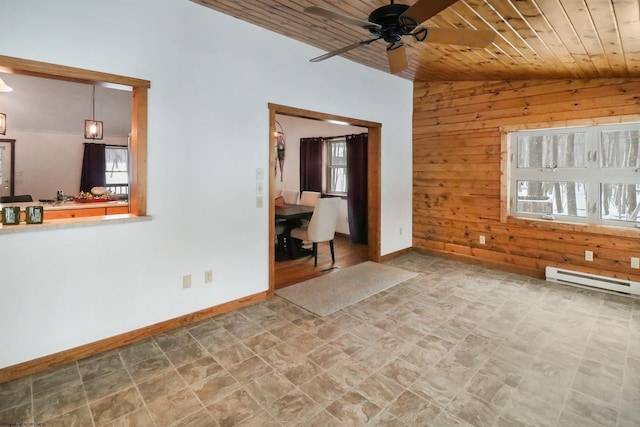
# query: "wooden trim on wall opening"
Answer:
x=373 y=175
x=139 y=87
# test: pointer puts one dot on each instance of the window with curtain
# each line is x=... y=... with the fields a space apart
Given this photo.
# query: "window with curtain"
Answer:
x=583 y=174
x=336 y=170
x=345 y=161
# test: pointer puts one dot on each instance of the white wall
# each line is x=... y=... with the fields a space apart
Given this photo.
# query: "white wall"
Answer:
x=294 y=129
x=212 y=77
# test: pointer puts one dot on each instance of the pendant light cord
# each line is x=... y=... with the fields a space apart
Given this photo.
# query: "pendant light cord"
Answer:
x=93 y=105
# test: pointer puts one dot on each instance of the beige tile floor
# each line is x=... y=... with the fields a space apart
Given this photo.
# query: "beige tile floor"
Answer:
x=457 y=345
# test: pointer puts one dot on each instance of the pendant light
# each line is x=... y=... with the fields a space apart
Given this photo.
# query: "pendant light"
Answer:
x=93 y=127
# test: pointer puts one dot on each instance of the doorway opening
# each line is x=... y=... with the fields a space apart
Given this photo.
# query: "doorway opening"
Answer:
x=373 y=177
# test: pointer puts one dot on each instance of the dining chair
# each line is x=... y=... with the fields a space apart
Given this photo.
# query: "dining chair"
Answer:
x=321 y=227
x=280 y=240
x=290 y=196
x=309 y=198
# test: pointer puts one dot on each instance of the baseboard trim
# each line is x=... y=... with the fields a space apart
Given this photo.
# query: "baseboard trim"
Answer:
x=510 y=268
x=66 y=356
x=395 y=254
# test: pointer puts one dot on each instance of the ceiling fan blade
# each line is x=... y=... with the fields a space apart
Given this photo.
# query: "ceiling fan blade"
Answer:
x=342 y=50
x=330 y=14
x=397 y=59
x=425 y=9
x=457 y=36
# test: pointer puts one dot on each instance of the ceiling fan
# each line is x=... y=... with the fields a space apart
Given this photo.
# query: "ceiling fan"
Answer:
x=393 y=21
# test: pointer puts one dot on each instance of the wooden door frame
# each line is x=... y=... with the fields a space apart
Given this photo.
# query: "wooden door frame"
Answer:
x=12 y=165
x=373 y=176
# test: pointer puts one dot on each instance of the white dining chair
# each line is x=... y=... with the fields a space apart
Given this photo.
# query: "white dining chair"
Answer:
x=309 y=198
x=321 y=227
x=290 y=196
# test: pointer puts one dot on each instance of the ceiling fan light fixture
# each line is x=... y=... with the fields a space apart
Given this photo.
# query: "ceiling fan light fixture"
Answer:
x=393 y=21
x=93 y=127
x=4 y=87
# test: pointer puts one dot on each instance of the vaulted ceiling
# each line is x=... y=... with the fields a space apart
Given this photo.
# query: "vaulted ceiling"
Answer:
x=536 y=39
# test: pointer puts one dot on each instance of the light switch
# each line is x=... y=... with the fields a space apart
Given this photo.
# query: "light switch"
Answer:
x=259 y=202
x=258 y=188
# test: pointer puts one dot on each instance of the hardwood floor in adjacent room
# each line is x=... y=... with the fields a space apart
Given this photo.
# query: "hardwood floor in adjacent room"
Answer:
x=294 y=271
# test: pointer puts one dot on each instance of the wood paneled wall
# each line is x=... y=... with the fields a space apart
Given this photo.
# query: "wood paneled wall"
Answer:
x=457 y=131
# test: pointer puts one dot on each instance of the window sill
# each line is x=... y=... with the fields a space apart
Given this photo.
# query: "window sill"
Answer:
x=553 y=225
x=59 y=224
x=340 y=195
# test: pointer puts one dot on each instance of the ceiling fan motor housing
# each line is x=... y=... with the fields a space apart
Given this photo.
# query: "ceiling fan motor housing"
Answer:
x=393 y=25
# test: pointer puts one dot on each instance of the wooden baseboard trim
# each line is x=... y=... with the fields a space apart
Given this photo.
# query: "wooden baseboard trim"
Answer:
x=510 y=268
x=66 y=356
x=395 y=254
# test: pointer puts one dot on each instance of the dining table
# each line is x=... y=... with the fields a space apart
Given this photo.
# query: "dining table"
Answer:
x=291 y=216
x=293 y=212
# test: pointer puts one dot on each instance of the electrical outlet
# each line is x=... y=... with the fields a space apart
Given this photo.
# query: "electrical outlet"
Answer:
x=186 y=281
x=259 y=202
x=635 y=262
x=483 y=240
x=208 y=276
x=588 y=255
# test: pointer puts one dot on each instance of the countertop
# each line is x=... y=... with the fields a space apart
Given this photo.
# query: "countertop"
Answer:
x=58 y=206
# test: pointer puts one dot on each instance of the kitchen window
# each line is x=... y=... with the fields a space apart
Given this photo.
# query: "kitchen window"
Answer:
x=583 y=174
x=117 y=169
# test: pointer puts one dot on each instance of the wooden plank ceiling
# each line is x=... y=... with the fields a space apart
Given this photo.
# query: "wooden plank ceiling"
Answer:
x=536 y=39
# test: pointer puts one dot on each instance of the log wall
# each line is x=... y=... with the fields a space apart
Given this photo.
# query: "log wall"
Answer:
x=457 y=177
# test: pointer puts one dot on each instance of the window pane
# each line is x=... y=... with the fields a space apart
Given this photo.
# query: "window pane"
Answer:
x=620 y=149
x=552 y=198
x=338 y=154
x=338 y=180
x=620 y=201
x=116 y=159
x=563 y=150
x=116 y=177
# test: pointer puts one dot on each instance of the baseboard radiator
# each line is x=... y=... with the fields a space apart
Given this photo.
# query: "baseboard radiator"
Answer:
x=577 y=278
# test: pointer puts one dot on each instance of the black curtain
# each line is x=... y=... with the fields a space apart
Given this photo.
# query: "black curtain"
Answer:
x=311 y=164
x=93 y=167
x=357 y=165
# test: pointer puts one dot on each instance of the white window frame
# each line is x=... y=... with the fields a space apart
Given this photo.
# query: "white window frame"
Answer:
x=120 y=185
x=329 y=166
x=593 y=175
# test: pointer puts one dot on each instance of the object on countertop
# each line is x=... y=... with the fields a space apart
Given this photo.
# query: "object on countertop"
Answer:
x=11 y=215
x=34 y=214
